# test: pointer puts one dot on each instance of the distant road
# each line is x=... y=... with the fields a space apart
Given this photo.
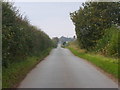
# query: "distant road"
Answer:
x=61 y=69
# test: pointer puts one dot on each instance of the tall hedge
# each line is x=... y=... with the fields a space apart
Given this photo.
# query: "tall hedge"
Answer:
x=19 y=38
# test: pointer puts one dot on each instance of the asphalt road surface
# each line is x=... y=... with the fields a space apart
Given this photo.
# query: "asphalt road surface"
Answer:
x=61 y=69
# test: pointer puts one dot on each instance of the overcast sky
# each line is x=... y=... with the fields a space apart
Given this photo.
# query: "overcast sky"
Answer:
x=52 y=17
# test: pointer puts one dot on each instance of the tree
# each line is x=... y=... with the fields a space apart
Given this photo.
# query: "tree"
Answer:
x=92 y=19
x=55 y=41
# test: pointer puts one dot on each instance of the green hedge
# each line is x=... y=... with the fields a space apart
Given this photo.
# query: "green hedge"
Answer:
x=19 y=38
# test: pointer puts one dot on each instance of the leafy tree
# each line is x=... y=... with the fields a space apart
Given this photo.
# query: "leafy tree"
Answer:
x=92 y=19
x=55 y=41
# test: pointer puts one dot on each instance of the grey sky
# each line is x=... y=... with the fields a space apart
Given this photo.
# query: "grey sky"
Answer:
x=52 y=17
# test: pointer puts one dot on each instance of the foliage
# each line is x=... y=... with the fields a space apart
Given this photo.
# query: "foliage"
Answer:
x=19 y=38
x=108 y=44
x=92 y=19
x=55 y=41
x=13 y=75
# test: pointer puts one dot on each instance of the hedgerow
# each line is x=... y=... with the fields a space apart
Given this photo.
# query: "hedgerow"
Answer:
x=19 y=38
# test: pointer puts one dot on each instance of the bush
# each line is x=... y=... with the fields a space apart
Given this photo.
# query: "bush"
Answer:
x=19 y=38
x=108 y=44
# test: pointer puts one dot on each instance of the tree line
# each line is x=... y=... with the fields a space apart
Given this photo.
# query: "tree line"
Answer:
x=19 y=38
x=96 y=23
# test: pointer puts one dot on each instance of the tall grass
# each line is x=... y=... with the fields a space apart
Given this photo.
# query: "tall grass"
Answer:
x=17 y=71
x=109 y=65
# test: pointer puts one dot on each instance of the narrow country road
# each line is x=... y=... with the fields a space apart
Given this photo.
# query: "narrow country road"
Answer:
x=61 y=69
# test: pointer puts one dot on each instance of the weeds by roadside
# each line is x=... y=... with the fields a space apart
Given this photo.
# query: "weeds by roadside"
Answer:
x=109 y=65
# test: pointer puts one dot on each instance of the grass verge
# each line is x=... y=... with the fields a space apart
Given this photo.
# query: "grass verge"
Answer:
x=13 y=75
x=109 y=65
